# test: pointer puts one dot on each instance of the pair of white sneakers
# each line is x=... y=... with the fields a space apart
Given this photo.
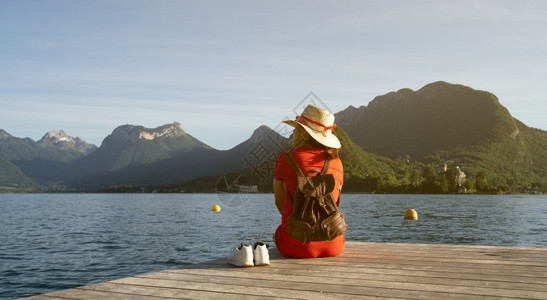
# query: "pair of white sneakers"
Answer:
x=250 y=254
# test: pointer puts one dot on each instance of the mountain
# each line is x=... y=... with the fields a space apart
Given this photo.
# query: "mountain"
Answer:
x=440 y=116
x=137 y=155
x=129 y=146
x=445 y=122
x=10 y=174
x=25 y=162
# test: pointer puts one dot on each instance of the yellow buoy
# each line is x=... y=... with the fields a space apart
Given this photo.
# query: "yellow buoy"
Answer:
x=215 y=208
x=411 y=214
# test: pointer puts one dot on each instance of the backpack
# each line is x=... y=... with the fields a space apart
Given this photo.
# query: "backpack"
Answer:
x=315 y=216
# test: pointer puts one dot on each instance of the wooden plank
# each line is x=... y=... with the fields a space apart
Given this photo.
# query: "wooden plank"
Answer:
x=487 y=254
x=373 y=269
x=281 y=287
x=429 y=265
x=323 y=274
x=512 y=256
x=363 y=271
x=234 y=286
x=88 y=293
x=352 y=276
x=429 y=260
x=178 y=291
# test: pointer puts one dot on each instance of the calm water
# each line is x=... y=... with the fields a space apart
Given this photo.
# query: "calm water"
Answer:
x=50 y=242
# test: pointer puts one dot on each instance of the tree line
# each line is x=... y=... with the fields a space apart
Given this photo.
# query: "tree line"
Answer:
x=429 y=181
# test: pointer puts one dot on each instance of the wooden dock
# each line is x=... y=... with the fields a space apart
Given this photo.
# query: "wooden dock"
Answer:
x=364 y=270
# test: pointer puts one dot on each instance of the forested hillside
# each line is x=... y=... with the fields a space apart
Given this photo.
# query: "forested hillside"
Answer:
x=453 y=124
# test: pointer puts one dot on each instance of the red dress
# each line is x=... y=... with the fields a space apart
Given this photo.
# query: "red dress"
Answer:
x=307 y=159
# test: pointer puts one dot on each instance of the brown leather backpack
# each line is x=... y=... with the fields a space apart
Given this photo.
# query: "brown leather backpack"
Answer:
x=315 y=216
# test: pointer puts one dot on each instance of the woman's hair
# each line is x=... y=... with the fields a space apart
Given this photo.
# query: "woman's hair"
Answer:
x=332 y=153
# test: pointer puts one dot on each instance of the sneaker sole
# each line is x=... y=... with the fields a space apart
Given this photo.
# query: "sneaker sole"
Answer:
x=240 y=266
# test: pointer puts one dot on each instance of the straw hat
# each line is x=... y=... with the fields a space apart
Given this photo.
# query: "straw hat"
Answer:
x=319 y=123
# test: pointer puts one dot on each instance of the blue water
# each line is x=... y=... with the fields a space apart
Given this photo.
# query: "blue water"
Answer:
x=50 y=242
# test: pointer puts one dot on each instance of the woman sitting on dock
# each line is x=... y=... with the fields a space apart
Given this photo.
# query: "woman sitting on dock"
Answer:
x=313 y=143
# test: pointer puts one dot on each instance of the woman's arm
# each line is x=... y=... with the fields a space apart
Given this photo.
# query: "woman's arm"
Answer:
x=279 y=194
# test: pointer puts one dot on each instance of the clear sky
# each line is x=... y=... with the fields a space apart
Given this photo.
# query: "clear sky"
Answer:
x=223 y=68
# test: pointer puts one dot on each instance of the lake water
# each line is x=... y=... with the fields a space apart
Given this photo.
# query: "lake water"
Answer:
x=50 y=242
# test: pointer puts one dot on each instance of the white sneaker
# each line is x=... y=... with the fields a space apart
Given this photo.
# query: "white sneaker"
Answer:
x=241 y=256
x=260 y=253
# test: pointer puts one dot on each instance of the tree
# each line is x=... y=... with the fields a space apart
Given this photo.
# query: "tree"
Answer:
x=452 y=178
x=388 y=184
x=430 y=175
x=481 y=182
x=468 y=184
x=414 y=179
x=429 y=185
x=503 y=188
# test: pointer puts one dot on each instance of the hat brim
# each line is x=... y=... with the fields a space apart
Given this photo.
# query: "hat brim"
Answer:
x=324 y=138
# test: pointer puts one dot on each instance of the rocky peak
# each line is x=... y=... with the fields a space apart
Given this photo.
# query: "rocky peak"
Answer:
x=133 y=134
x=55 y=137
x=60 y=139
x=4 y=134
x=169 y=130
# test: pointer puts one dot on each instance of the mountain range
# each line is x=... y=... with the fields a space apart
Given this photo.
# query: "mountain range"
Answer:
x=395 y=135
x=130 y=155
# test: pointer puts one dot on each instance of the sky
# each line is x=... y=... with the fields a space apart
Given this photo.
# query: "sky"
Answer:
x=224 y=68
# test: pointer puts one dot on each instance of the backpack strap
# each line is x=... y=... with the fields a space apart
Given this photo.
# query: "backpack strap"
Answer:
x=293 y=164
x=326 y=166
x=298 y=172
